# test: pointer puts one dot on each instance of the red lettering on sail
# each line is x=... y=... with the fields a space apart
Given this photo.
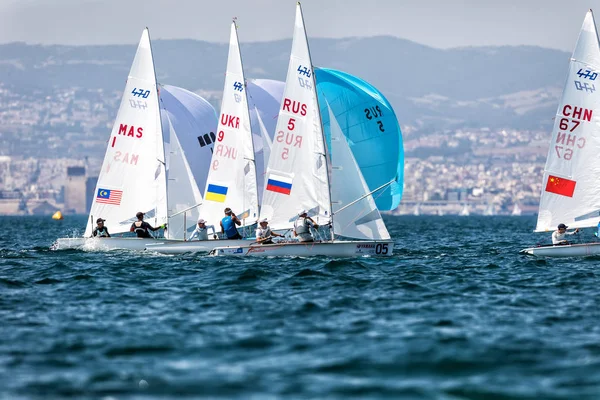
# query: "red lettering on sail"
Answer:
x=289 y=139
x=222 y=150
x=230 y=121
x=126 y=158
x=293 y=106
x=130 y=131
x=575 y=112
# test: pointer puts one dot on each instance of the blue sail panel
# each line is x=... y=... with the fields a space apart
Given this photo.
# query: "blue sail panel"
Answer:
x=369 y=123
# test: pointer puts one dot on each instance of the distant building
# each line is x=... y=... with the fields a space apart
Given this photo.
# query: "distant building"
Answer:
x=90 y=188
x=75 y=191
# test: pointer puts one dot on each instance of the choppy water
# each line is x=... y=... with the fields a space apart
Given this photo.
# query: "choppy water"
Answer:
x=457 y=313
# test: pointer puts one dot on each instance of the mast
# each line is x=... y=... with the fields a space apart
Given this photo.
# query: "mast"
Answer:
x=247 y=111
x=160 y=143
x=324 y=148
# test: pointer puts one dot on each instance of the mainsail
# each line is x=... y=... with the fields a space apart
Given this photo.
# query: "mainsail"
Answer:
x=356 y=219
x=231 y=179
x=370 y=125
x=570 y=186
x=264 y=100
x=297 y=174
x=133 y=172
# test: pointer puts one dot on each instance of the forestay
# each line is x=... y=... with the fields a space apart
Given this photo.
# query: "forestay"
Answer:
x=360 y=220
x=570 y=186
x=133 y=171
x=369 y=123
x=297 y=170
x=231 y=179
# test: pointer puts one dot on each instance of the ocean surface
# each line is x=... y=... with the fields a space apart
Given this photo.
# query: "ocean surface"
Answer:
x=456 y=313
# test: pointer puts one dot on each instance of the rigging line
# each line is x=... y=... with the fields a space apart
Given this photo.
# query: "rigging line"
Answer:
x=366 y=195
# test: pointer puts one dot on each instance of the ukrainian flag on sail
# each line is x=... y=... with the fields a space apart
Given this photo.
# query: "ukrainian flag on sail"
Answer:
x=216 y=193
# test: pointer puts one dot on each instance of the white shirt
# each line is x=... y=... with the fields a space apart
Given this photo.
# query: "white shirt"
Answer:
x=558 y=237
x=305 y=236
x=202 y=233
x=262 y=233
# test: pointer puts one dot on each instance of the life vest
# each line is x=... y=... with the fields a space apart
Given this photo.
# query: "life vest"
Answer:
x=141 y=230
x=102 y=232
x=301 y=225
x=229 y=226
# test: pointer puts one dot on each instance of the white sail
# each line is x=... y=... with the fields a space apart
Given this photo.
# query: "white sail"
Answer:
x=133 y=172
x=182 y=192
x=264 y=99
x=297 y=170
x=231 y=179
x=570 y=186
x=362 y=219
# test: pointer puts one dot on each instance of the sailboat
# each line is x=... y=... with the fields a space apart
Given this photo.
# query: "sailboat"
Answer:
x=146 y=166
x=570 y=188
x=516 y=211
x=231 y=180
x=298 y=175
x=417 y=210
x=465 y=211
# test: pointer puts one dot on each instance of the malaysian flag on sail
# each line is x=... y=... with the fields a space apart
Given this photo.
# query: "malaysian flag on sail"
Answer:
x=109 y=196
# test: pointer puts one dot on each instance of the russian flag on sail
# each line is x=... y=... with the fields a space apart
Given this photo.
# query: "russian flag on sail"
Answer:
x=216 y=193
x=279 y=184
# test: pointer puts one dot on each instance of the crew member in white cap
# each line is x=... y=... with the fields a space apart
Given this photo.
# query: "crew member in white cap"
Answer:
x=264 y=234
x=201 y=231
x=302 y=227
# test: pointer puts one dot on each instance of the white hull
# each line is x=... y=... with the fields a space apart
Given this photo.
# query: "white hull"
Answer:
x=197 y=246
x=571 y=250
x=297 y=249
x=104 y=244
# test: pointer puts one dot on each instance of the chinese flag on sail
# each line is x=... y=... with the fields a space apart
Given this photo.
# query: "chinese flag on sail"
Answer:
x=562 y=186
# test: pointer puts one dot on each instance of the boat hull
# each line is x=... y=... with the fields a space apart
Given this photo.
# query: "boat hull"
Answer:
x=104 y=244
x=198 y=246
x=570 y=250
x=298 y=249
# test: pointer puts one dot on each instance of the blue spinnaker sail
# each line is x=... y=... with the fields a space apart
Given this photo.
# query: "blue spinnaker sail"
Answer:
x=369 y=123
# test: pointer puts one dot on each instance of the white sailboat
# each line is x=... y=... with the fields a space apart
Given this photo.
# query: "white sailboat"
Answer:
x=298 y=175
x=465 y=211
x=144 y=159
x=570 y=186
x=417 y=210
x=516 y=211
x=231 y=180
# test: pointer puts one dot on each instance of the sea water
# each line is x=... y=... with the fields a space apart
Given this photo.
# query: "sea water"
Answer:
x=456 y=313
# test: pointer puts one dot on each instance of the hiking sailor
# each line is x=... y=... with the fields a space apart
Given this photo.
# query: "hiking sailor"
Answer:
x=302 y=227
x=264 y=235
x=100 y=230
x=228 y=224
x=558 y=236
x=141 y=227
x=201 y=231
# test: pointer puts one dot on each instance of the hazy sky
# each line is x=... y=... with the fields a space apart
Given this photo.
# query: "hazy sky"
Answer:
x=437 y=23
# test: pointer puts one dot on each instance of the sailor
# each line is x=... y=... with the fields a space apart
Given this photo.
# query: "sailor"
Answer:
x=264 y=235
x=100 y=230
x=302 y=227
x=228 y=224
x=201 y=231
x=558 y=236
x=141 y=227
